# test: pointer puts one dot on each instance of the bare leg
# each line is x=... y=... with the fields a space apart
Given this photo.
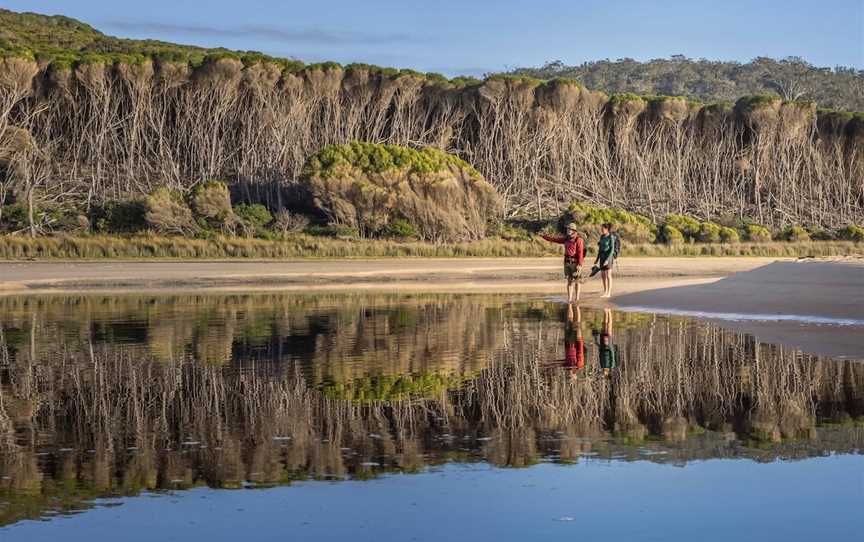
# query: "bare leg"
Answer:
x=609 y=283
x=604 y=275
x=570 y=285
x=578 y=287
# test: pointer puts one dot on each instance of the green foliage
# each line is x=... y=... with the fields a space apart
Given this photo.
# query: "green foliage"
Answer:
x=709 y=232
x=513 y=232
x=211 y=201
x=14 y=217
x=391 y=387
x=795 y=234
x=64 y=43
x=757 y=234
x=127 y=216
x=167 y=212
x=710 y=81
x=400 y=229
x=367 y=186
x=254 y=218
x=369 y=158
x=729 y=235
x=852 y=233
x=747 y=104
x=337 y=231
x=146 y=246
x=687 y=226
x=618 y=99
x=671 y=235
x=632 y=227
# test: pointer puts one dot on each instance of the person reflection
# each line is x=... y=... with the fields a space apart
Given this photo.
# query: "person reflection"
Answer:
x=575 y=349
x=607 y=350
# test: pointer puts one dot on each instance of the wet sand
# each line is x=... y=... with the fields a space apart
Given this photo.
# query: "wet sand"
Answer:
x=817 y=306
x=452 y=274
x=814 y=305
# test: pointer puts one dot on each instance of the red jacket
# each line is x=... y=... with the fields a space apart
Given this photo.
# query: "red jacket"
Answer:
x=573 y=248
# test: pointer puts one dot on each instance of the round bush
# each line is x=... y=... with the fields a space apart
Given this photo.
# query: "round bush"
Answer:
x=758 y=234
x=400 y=228
x=729 y=235
x=211 y=201
x=671 y=235
x=689 y=227
x=795 y=234
x=366 y=186
x=709 y=232
x=852 y=233
x=167 y=212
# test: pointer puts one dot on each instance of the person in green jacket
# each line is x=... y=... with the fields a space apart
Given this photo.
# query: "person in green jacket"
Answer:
x=607 y=351
x=606 y=251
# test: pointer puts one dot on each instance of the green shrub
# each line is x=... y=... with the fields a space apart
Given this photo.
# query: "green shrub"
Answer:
x=253 y=219
x=819 y=234
x=167 y=212
x=211 y=203
x=687 y=226
x=129 y=216
x=852 y=233
x=632 y=227
x=513 y=232
x=400 y=228
x=253 y=214
x=367 y=186
x=338 y=231
x=65 y=219
x=671 y=235
x=14 y=217
x=758 y=234
x=729 y=235
x=795 y=234
x=709 y=232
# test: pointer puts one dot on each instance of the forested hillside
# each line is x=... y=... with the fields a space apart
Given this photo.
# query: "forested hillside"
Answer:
x=89 y=123
x=790 y=78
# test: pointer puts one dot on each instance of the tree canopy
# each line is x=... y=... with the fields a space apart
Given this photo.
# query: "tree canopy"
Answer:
x=791 y=78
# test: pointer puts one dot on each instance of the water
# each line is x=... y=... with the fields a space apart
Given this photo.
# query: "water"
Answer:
x=427 y=417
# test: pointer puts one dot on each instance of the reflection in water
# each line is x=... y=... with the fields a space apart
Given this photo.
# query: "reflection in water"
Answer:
x=115 y=395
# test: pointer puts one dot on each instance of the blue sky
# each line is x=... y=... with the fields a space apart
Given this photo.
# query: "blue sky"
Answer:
x=474 y=37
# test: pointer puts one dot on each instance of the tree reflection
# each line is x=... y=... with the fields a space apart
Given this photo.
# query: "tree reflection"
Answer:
x=113 y=396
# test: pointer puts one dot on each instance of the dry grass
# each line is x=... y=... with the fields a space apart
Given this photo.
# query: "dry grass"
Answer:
x=305 y=246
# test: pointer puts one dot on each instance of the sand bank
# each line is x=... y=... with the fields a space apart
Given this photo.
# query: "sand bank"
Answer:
x=446 y=274
x=815 y=305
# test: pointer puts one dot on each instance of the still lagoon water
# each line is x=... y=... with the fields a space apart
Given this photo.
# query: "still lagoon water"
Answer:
x=414 y=417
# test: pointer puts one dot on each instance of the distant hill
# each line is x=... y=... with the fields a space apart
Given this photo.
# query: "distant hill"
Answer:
x=713 y=81
x=58 y=39
x=791 y=78
x=64 y=40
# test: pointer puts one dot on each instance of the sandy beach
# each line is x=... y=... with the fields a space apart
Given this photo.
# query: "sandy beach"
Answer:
x=814 y=305
x=444 y=274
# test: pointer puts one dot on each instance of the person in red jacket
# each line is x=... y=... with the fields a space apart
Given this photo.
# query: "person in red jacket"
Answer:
x=574 y=257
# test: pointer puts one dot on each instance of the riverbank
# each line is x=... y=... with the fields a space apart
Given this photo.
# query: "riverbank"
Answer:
x=539 y=275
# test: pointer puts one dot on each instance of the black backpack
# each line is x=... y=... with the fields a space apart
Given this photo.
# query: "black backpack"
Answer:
x=616 y=245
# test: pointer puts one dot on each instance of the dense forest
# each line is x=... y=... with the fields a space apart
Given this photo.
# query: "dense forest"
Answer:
x=791 y=78
x=88 y=122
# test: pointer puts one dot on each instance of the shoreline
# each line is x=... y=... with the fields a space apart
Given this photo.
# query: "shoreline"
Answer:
x=816 y=306
x=428 y=274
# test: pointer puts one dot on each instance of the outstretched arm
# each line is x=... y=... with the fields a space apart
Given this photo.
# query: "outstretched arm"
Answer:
x=553 y=238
